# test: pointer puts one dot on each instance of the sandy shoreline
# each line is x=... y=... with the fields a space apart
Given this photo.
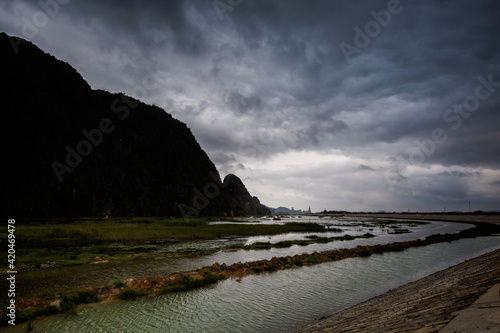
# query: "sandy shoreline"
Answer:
x=426 y=305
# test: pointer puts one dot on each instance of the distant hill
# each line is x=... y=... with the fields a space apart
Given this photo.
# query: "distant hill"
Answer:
x=285 y=210
x=69 y=150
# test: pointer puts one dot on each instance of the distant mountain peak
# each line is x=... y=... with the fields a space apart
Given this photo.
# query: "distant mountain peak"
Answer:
x=241 y=200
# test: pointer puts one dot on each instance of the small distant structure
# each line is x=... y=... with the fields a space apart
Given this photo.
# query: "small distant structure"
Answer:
x=309 y=210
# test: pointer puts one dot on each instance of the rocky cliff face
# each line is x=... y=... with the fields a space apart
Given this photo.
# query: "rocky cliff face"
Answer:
x=69 y=150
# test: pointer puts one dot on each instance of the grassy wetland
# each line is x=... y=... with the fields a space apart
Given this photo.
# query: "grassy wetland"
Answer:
x=50 y=243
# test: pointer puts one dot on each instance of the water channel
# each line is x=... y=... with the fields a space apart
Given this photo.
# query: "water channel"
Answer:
x=270 y=302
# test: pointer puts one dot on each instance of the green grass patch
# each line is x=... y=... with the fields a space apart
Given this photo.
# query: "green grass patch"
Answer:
x=93 y=233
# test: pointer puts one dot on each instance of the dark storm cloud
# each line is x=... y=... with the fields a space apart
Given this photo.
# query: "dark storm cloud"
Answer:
x=430 y=55
x=269 y=77
x=148 y=24
x=243 y=103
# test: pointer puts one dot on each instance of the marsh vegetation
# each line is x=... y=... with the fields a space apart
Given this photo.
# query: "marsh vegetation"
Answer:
x=50 y=243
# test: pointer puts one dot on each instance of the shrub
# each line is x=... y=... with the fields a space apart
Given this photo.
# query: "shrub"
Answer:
x=312 y=260
x=87 y=296
x=312 y=236
x=257 y=270
x=118 y=284
x=284 y=244
x=71 y=299
x=210 y=279
x=271 y=268
x=347 y=237
x=33 y=313
x=188 y=283
x=364 y=253
x=323 y=240
x=260 y=245
x=129 y=294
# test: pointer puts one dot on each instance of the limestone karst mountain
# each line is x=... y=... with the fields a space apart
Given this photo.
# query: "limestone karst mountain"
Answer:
x=69 y=150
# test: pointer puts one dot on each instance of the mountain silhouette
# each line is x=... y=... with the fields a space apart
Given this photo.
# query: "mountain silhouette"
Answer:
x=72 y=151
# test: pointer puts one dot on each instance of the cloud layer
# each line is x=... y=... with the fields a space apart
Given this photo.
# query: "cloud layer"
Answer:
x=408 y=120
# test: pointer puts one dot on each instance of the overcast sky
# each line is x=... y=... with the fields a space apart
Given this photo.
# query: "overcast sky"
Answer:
x=345 y=105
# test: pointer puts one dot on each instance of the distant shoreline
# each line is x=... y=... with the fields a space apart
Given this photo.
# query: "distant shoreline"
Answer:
x=480 y=218
x=425 y=305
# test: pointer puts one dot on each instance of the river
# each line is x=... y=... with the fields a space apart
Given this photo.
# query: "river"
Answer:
x=270 y=302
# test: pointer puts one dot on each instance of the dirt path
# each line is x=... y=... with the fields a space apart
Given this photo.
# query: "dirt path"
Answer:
x=426 y=305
